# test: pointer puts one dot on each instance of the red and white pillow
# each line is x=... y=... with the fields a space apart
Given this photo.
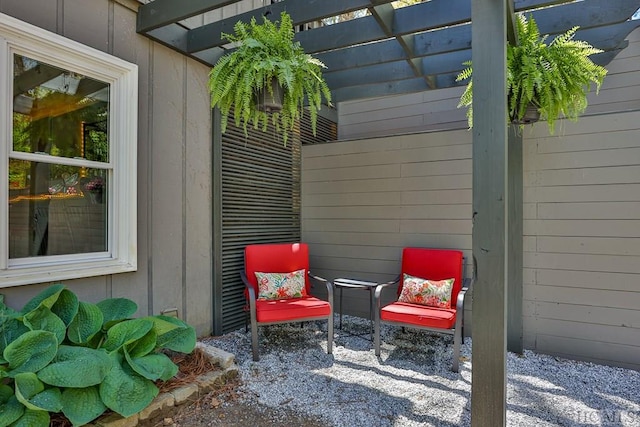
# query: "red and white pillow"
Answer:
x=432 y=293
x=275 y=286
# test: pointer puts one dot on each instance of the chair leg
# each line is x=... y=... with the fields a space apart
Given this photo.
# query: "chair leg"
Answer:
x=254 y=340
x=457 y=337
x=330 y=334
x=376 y=333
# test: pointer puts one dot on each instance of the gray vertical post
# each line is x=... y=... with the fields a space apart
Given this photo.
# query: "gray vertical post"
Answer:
x=489 y=39
x=514 y=266
x=216 y=218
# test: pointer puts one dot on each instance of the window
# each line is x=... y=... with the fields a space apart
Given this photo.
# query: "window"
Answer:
x=67 y=157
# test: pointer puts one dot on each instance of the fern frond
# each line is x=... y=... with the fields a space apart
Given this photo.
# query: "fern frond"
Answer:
x=266 y=51
x=554 y=77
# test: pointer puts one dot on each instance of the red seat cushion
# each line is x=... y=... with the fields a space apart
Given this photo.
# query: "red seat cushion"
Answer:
x=291 y=309
x=419 y=315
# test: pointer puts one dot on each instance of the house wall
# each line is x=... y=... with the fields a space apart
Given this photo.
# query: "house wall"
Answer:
x=174 y=162
x=365 y=199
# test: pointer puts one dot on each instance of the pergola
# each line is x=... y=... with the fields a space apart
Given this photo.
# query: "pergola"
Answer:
x=419 y=48
x=389 y=51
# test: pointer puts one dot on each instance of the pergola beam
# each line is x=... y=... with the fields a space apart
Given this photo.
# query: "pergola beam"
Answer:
x=408 y=20
x=379 y=73
x=416 y=84
x=359 y=66
x=210 y=35
x=441 y=58
x=429 y=40
x=419 y=17
x=160 y=13
x=453 y=39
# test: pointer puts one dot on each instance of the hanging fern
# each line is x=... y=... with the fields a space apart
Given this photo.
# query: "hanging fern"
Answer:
x=265 y=51
x=555 y=78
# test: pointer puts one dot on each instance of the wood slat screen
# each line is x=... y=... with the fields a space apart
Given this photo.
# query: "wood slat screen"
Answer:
x=260 y=190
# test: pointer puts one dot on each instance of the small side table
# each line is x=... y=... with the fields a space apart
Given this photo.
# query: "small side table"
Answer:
x=343 y=283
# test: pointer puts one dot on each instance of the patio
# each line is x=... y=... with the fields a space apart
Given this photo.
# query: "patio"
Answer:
x=482 y=201
x=406 y=172
x=412 y=385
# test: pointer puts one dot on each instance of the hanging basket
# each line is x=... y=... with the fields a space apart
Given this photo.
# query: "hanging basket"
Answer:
x=270 y=102
x=531 y=115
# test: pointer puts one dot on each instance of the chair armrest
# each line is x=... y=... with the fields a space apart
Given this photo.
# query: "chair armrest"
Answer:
x=328 y=284
x=378 y=292
x=250 y=291
x=466 y=285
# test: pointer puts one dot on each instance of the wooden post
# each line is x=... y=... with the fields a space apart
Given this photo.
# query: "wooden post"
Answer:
x=514 y=266
x=489 y=39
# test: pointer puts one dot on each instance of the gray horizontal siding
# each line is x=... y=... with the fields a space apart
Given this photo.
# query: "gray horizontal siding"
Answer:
x=363 y=200
x=582 y=269
x=581 y=205
x=416 y=112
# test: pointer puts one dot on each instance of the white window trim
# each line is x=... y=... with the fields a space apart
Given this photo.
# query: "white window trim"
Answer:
x=16 y=35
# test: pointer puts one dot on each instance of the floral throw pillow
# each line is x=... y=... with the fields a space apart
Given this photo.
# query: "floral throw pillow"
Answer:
x=281 y=285
x=434 y=293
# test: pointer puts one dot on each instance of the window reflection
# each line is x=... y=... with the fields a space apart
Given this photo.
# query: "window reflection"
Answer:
x=57 y=208
x=59 y=112
x=69 y=216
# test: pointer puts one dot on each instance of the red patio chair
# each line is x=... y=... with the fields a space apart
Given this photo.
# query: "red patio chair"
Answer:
x=433 y=314
x=282 y=307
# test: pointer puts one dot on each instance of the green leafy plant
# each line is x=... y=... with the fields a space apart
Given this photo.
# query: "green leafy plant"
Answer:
x=264 y=52
x=59 y=354
x=554 y=78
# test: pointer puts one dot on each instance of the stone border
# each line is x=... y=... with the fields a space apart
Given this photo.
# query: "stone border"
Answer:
x=165 y=404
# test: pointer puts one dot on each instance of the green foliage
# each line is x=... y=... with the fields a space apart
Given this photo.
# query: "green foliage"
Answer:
x=264 y=52
x=59 y=354
x=554 y=77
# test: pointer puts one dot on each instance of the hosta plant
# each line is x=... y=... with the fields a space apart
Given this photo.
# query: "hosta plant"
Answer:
x=59 y=354
x=265 y=52
x=553 y=78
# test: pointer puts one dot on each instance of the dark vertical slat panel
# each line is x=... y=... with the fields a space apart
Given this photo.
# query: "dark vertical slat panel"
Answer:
x=260 y=203
x=216 y=217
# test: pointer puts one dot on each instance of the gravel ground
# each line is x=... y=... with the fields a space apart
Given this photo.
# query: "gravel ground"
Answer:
x=296 y=383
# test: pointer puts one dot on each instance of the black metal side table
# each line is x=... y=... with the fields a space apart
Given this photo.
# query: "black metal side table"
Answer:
x=342 y=283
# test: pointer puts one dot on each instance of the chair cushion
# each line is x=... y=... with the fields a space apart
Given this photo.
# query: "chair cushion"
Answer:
x=434 y=293
x=419 y=315
x=434 y=264
x=280 y=257
x=291 y=309
x=281 y=285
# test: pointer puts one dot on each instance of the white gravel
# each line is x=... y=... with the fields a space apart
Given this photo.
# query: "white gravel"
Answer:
x=411 y=384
